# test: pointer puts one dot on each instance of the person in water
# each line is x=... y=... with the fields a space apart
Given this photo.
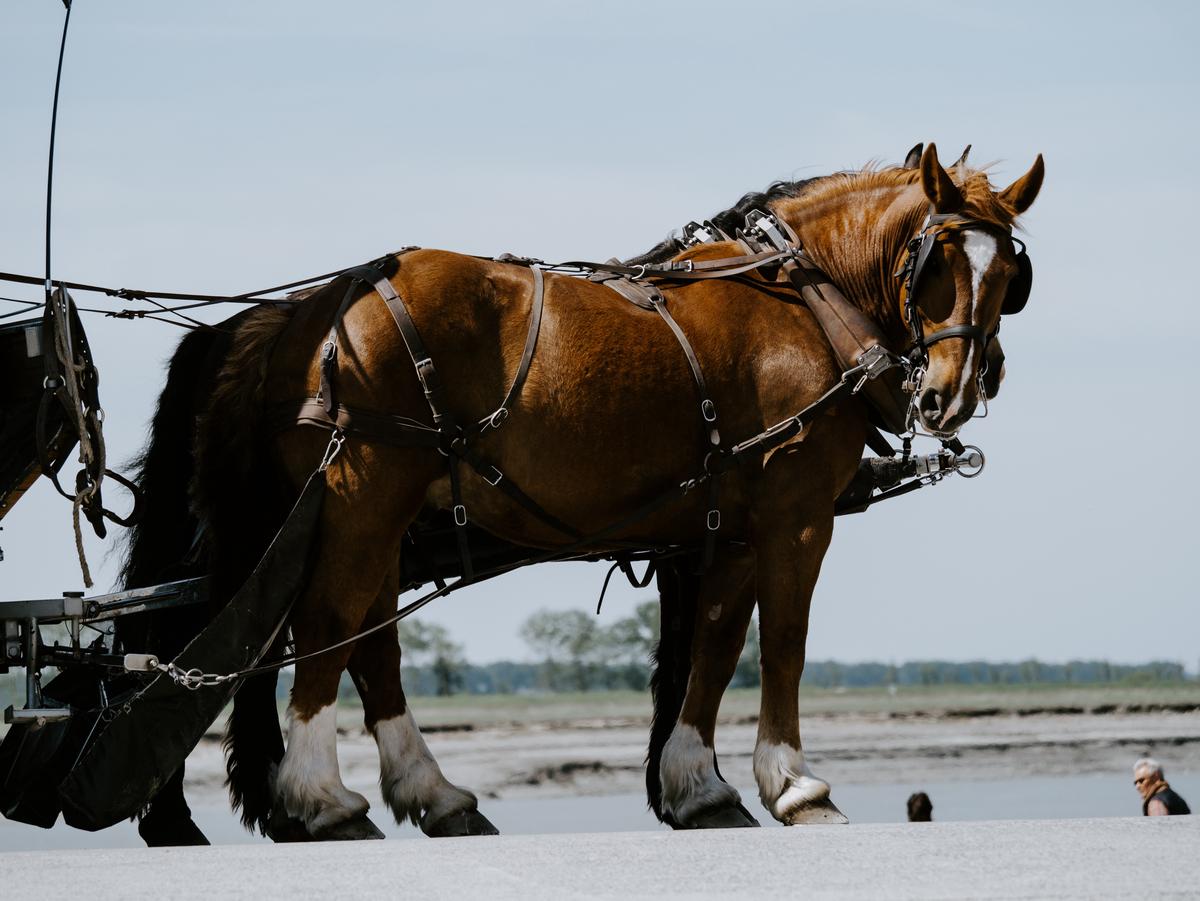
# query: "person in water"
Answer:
x=920 y=808
x=1158 y=800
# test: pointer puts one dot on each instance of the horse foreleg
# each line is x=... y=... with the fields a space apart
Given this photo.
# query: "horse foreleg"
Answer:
x=410 y=778
x=789 y=561
x=362 y=520
x=693 y=793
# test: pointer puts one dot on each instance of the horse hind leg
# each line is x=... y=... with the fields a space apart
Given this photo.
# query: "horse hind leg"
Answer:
x=693 y=795
x=365 y=513
x=410 y=779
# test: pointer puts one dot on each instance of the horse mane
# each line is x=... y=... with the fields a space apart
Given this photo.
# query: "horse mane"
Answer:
x=981 y=201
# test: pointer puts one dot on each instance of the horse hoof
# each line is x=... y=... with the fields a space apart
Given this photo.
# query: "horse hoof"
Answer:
x=161 y=832
x=730 y=817
x=816 y=813
x=357 y=829
x=283 y=829
x=460 y=823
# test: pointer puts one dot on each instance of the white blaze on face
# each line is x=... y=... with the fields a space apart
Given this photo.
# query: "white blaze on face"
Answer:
x=980 y=248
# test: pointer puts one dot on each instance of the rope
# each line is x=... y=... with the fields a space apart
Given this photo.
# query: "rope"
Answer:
x=92 y=454
x=83 y=564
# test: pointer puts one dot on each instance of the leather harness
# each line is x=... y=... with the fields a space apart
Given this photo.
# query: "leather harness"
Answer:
x=857 y=342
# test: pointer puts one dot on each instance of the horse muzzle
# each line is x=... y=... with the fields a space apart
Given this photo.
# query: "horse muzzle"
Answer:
x=940 y=415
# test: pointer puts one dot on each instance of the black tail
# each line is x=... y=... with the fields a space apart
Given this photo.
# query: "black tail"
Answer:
x=160 y=543
x=243 y=503
x=678 y=589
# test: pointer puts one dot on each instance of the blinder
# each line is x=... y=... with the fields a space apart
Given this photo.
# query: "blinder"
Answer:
x=1018 y=289
x=925 y=255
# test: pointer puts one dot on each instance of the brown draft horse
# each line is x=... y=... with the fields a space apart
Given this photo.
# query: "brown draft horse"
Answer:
x=606 y=419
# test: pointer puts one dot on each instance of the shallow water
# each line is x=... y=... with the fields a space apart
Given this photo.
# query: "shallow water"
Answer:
x=1030 y=798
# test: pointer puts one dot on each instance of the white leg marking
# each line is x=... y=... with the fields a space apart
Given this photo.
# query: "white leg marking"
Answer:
x=412 y=782
x=309 y=782
x=689 y=777
x=785 y=783
x=980 y=248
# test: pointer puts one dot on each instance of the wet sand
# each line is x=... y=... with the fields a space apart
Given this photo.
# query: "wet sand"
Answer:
x=543 y=765
x=605 y=756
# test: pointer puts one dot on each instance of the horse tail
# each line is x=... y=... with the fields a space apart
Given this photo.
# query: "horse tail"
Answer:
x=242 y=505
x=678 y=589
x=160 y=543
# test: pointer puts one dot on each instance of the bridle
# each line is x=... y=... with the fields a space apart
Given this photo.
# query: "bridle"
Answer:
x=921 y=248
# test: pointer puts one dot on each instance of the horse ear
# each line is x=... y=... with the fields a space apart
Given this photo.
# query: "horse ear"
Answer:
x=962 y=160
x=914 y=157
x=939 y=187
x=1021 y=194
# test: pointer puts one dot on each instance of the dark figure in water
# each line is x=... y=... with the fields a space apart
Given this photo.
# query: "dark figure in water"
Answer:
x=1157 y=798
x=920 y=808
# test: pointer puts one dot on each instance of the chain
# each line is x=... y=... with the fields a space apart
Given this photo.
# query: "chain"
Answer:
x=192 y=679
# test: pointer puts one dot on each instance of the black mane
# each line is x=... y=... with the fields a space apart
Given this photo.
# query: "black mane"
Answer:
x=730 y=220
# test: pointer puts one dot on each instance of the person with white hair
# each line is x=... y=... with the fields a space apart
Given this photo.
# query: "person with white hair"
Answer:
x=1158 y=800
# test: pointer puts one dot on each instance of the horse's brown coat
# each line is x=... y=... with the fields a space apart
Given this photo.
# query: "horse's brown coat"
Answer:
x=608 y=419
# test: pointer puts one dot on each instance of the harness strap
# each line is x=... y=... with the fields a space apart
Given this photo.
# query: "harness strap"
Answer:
x=708 y=410
x=687 y=270
x=395 y=430
x=460 y=448
x=851 y=333
x=970 y=332
x=329 y=351
x=460 y=520
x=496 y=419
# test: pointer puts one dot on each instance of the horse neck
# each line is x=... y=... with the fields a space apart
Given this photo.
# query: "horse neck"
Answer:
x=859 y=241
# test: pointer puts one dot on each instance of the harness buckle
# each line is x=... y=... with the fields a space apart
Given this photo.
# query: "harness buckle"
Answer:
x=876 y=360
x=713 y=520
x=708 y=410
x=328 y=351
x=460 y=515
x=494 y=477
x=497 y=419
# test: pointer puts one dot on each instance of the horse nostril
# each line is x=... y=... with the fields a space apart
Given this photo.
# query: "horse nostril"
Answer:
x=931 y=405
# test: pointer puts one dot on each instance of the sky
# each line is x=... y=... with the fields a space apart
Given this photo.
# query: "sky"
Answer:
x=228 y=146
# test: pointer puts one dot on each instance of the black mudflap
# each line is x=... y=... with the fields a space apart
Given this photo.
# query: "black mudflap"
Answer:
x=34 y=759
x=147 y=739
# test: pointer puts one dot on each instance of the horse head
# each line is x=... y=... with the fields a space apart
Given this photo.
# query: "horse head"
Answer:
x=963 y=270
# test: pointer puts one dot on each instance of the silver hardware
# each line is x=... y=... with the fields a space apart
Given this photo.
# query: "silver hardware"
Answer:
x=708 y=410
x=460 y=515
x=334 y=448
x=141 y=663
x=713 y=520
x=970 y=463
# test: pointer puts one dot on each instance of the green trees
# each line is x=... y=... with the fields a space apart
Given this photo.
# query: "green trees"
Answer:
x=578 y=653
x=429 y=644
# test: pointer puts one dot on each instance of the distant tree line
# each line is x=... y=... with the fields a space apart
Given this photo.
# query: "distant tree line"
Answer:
x=576 y=652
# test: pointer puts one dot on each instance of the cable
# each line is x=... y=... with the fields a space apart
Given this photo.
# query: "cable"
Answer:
x=62 y=48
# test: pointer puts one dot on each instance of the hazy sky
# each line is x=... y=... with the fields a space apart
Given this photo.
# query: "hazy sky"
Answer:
x=227 y=146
